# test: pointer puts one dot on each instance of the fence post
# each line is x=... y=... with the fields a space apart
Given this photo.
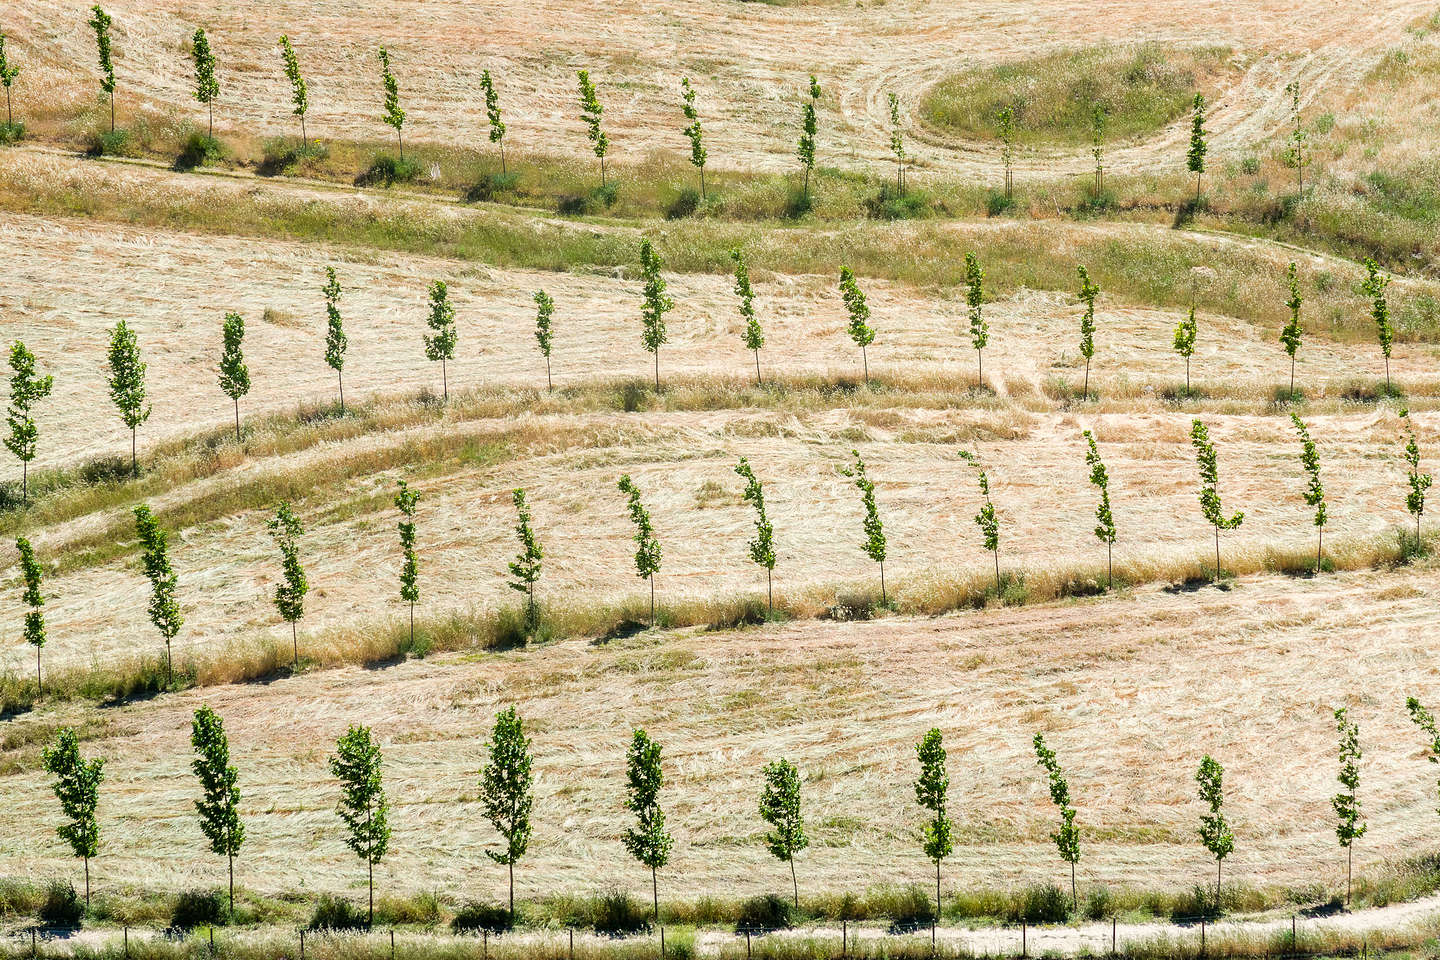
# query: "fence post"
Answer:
x=1024 y=938
x=302 y=943
x=485 y=944
x=1112 y=935
x=212 y=941
x=33 y=948
x=127 y=942
x=572 y=943
x=392 y=944
x=1292 y=931
x=662 y=942
x=1202 y=936
x=747 y=943
x=844 y=937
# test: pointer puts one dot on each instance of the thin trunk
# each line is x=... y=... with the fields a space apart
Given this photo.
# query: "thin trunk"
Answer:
x=212 y=137
x=112 y=111
x=371 y=864
x=936 y=922
x=232 y=883
x=9 y=112
x=38 y=687
x=657 y=369
x=401 y=140
x=1187 y=376
x=1319 y=549
x=1292 y=376
x=655 y=892
x=702 y=181
x=1349 y=861
x=502 y=156
x=997 y=571
x=1387 y=375
x=1218 y=862
x=1109 y=565
x=295 y=643
x=882 y=583
x=757 y=368
x=87 y=883
x=341 y=378
x=444 y=381
x=1087 y=380
x=1217 y=553
x=979 y=369
x=805 y=192
x=304 y=138
x=1197 y=191
x=134 y=459
x=412 y=623
x=651 y=578
x=794 y=884
x=770 y=588
x=169 y=669
x=549 y=383
x=237 y=419
x=866 y=362
x=602 y=171
x=512 y=893
x=1074 y=893
x=25 y=481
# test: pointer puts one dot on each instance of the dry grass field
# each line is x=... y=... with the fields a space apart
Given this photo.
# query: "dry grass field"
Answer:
x=1131 y=686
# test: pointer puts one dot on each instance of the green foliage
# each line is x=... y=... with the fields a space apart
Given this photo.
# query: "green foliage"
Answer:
x=874 y=545
x=1310 y=460
x=198 y=908
x=100 y=22
x=333 y=913
x=1207 y=461
x=234 y=374
x=1100 y=479
x=1373 y=286
x=386 y=171
x=219 y=803
x=762 y=548
x=859 y=329
x=1005 y=131
x=299 y=99
x=8 y=71
x=647 y=841
x=27 y=388
x=1099 y=119
x=1295 y=155
x=441 y=345
x=77 y=787
x=780 y=808
x=654 y=304
x=591 y=113
x=764 y=913
x=127 y=376
x=986 y=519
x=1215 y=831
x=1350 y=825
x=931 y=791
x=164 y=609
x=336 y=343
x=897 y=140
x=477 y=917
x=207 y=88
x=975 y=301
x=1423 y=719
x=1419 y=482
x=394 y=115
x=647 y=548
x=693 y=130
x=1195 y=156
x=754 y=335
x=544 y=310
x=1291 y=333
x=1185 y=332
x=805 y=147
x=507 y=788
x=32 y=596
x=526 y=566
x=1067 y=835
x=1089 y=290
x=362 y=806
x=492 y=113
x=405 y=501
x=285 y=530
x=61 y=907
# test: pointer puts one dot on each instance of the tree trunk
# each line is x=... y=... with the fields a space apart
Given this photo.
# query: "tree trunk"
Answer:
x=169 y=668
x=212 y=137
x=112 y=118
x=866 y=362
x=1074 y=892
x=1319 y=548
x=502 y=156
x=1292 y=376
x=39 y=688
x=549 y=383
x=1349 y=861
x=9 y=111
x=304 y=138
x=340 y=377
x=602 y=171
x=997 y=571
x=232 y=883
x=237 y=419
x=702 y=181
x=400 y=140
x=25 y=481
x=134 y=459
x=757 y=368
x=794 y=883
x=655 y=892
x=979 y=370
x=651 y=578
x=371 y=864
x=295 y=643
x=512 y=893
x=412 y=623
x=1087 y=380
x=770 y=588
x=444 y=382
x=1218 y=862
x=1187 y=376
x=87 y=883
x=657 y=369
x=1217 y=553
x=936 y=922
x=1109 y=566
x=882 y=583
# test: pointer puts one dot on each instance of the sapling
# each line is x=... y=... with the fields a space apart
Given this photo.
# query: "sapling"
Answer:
x=27 y=388
x=754 y=336
x=932 y=788
x=164 y=608
x=654 y=305
x=441 y=346
x=780 y=808
x=1295 y=154
x=526 y=566
x=1104 y=520
x=544 y=310
x=975 y=301
x=805 y=146
x=989 y=525
x=1215 y=831
x=1350 y=825
x=1373 y=286
x=363 y=807
x=860 y=330
x=492 y=113
x=1099 y=116
x=897 y=142
x=762 y=548
x=1067 y=835
x=1210 y=506
x=1291 y=333
x=1005 y=130
x=405 y=501
x=507 y=791
x=285 y=530
x=874 y=545
x=693 y=130
x=1185 y=332
x=647 y=841
x=219 y=804
x=100 y=22
x=647 y=547
x=1419 y=482
x=8 y=73
x=35 y=600
x=591 y=112
x=207 y=88
x=300 y=102
x=1314 y=490
x=1088 y=292
x=1195 y=157
x=234 y=374
x=336 y=343
x=1423 y=719
x=77 y=787
x=127 y=384
x=394 y=114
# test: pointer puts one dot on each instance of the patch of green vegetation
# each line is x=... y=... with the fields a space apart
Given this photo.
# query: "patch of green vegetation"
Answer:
x=1142 y=87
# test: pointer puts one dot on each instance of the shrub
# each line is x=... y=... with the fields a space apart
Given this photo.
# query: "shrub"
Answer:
x=1042 y=904
x=766 y=912
x=421 y=909
x=12 y=132
x=105 y=470
x=600 y=198
x=475 y=917
x=199 y=150
x=1098 y=903
x=61 y=906
x=488 y=186
x=386 y=171
x=196 y=908
x=281 y=155
x=891 y=203
x=111 y=143
x=909 y=909
x=616 y=912
x=998 y=202
x=333 y=913
x=685 y=204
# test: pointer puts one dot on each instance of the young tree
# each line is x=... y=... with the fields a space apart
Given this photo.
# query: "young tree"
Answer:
x=77 y=787
x=1067 y=835
x=27 y=388
x=805 y=149
x=975 y=300
x=1099 y=116
x=1423 y=719
x=860 y=330
x=1373 y=286
x=1005 y=130
x=1419 y=482
x=234 y=374
x=525 y=568
x=35 y=600
x=1208 y=463
x=507 y=791
x=897 y=142
x=336 y=343
x=780 y=807
x=492 y=113
x=762 y=548
x=989 y=525
x=647 y=548
x=362 y=807
x=1314 y=490
x=693 y=131
x=1295 y=154
x=8 y=73
x=1195 y=158
x=874 y=545
x=544 y=310
x=1104 y=520
x=654 y=305
x=127 y=384
x=931 y=790
x=647 y=841
x=405 y=501
x=100 y=23
x=1215 y=832
x=754 y=336
x=441 y=346
x=1291 y=333
x=1350 y=824
x=1088 y=292
x=394 y=114
x=207 y=88
x=285 y=530
x=591 y=112
x=219 y=803
x=1185 y=332
x=298 y=97
x=164 y=608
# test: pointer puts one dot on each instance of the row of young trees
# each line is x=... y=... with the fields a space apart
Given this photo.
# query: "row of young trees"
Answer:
x=506 y=783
